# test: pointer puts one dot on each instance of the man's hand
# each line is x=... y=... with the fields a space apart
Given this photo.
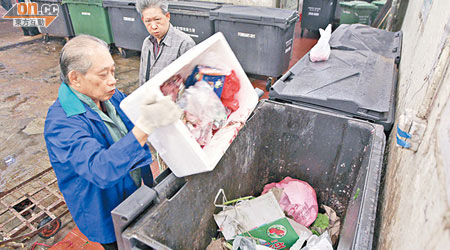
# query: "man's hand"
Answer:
x=157 y=113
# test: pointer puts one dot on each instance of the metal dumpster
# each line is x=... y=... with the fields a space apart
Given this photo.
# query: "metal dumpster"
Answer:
x=261 y=38
x=62 y=25
x=90 y=18
x=317 y=14
x=358 y=80
x=357 y=12
x=193 y=18
x=128 y=30
x=363 y=37
x=340 y=157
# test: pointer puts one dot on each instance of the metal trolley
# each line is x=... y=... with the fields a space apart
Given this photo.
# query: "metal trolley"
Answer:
x=33 y=207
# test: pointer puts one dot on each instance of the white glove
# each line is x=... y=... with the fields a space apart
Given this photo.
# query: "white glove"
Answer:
x=157 y=113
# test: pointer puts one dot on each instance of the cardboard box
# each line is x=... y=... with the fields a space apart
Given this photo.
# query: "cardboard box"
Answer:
x=248 y=215
x=279 y=234
x=174 y=143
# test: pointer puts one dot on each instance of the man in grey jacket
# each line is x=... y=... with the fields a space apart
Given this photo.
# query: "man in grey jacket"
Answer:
x=165 y=43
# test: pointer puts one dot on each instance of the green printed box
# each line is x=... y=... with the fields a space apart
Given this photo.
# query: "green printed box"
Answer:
x=278 y=234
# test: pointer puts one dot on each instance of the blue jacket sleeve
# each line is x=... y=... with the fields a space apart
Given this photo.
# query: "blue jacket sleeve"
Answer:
x=74 y=145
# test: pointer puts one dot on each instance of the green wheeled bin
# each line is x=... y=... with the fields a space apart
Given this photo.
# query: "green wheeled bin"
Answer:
x=379 y=4
x=90 y=18
x=357 y=12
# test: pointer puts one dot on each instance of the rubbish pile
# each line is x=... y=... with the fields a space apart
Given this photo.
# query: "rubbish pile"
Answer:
x=285 y=216
x=208 y=98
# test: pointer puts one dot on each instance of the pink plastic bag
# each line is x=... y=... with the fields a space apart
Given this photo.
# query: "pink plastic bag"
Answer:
x=298 y=200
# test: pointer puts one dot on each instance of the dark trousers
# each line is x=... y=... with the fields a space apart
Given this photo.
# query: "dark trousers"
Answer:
x=110 y=246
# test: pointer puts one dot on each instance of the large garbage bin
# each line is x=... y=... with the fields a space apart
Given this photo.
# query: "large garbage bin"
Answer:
x=89 y=17
x=62 y=25
x=364 y=37
x=357 y=12
x=340 y=157
x=380 y=4
x=317 y=14
x=358 y=80
x=261 y=38
x=128 y=30
x=193 y=18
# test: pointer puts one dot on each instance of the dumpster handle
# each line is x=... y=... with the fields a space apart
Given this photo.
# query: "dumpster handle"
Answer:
x=285 y=76
x=237 y=18
x=129 y=209
x=294 y=18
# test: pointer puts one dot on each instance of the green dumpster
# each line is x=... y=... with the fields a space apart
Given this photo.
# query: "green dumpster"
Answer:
x=357 y=12
x=379 y=4
x=90 y=18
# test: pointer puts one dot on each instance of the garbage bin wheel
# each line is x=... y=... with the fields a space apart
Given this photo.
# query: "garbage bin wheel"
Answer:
x=50 y=229
x=65 y=40
x=124 y=53
x=269 y=82
x=46 y=38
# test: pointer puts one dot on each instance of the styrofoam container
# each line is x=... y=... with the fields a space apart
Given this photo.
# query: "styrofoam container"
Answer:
x=175 y=144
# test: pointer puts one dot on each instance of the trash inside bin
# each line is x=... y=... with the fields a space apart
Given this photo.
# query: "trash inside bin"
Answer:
x=336 y=155
x=128 y=30
x=90 y=18
x=357 y=12
x=354 y=83
x=317 y=14
x=62 y=25
x=363 y=37
x=193 y=18
x=260 y=37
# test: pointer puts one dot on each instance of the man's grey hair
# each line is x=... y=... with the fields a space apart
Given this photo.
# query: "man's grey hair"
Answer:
x=141 y=5
x=75 y=55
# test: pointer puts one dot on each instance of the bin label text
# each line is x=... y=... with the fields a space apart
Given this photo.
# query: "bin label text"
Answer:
x=246 y=35
x=185 y=29
x=314 y=11
x=86 y=13
x=128 y=19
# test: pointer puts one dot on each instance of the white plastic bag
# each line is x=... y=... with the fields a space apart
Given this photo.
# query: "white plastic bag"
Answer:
x=321 y=51
x=203 y=111
x=322 y=242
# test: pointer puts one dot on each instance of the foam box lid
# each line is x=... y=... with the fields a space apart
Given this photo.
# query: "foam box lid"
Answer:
x=174 y=143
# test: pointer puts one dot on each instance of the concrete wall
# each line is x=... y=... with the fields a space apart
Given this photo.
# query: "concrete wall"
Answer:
x=415 y=208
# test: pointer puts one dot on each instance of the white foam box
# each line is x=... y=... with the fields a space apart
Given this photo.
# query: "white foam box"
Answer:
x=174 y=143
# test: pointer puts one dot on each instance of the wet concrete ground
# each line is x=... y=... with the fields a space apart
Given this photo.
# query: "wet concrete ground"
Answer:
x=29 y=81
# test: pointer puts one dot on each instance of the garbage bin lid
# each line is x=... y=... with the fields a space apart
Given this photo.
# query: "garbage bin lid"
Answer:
x=379 y=3
x=364 y=37
x=358 y=5
x=48 y=1
x=255 y=14
x=359 y=83
x=193 y=6
x=129 y=4
x=92 y=2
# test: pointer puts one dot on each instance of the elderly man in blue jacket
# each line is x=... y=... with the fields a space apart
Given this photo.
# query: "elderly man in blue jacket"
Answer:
x=98 y=155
